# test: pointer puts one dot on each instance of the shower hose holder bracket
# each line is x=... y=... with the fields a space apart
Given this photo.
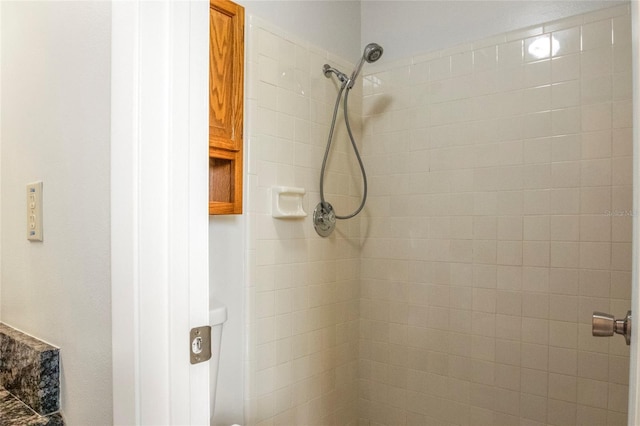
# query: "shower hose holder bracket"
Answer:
x=324 y=219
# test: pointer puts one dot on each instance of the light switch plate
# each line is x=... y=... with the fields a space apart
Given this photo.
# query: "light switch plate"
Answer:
x=34 y=211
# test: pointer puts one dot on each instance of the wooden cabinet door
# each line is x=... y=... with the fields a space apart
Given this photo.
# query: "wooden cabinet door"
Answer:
x=226 y=106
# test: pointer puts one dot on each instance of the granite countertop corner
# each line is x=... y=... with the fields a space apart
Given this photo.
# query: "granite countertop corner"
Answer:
x=15 y=413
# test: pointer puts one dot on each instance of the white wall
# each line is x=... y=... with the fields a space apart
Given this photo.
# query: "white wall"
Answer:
x=331 y=25
x=55 y=113
x=405 y=28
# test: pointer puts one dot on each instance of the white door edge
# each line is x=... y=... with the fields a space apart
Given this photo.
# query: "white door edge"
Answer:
x=634 y=368
x=159 y=225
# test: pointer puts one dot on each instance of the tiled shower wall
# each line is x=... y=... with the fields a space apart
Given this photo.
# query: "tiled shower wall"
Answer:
x=499 y=219
x=302 y=290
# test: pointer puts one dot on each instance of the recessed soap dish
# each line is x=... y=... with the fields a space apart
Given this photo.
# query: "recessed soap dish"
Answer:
x=287 y=202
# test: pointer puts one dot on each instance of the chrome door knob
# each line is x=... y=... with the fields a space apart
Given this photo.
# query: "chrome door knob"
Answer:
x=604 y=325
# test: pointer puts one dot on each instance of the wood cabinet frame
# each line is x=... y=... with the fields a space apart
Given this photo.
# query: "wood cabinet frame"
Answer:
x=226 y=106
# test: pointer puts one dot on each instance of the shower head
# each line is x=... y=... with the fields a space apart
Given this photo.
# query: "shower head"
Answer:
x=372 y=52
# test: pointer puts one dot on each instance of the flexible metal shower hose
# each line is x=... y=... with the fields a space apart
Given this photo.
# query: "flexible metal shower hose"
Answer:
x=355 y=148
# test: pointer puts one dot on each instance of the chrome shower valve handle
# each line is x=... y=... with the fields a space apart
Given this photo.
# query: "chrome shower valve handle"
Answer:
x=324 y=219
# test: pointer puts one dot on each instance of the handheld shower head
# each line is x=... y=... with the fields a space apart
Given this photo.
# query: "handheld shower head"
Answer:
x=324 y=217
x=372 y=52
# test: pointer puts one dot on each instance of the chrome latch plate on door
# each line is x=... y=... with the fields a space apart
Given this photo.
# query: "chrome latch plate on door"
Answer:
x=200 y=344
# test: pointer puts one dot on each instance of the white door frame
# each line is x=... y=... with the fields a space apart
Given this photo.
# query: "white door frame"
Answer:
x=159 y=217
x=634 y=367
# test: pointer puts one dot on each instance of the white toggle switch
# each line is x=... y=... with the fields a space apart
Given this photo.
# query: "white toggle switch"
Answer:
x=34 y=211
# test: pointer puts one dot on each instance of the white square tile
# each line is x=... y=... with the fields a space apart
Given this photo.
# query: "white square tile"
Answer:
x=597 y=34
x=440 y=68
x=461 y=63
x=595 y=228
x=535 y=253
x=536 y=99
x=564 y=68
x=596 y=200
x=535 y=279
x=510 y=54
x=565 y=94
x=621 y=29
x=509 y=253
x=510 y=227
x=268 y=69
x=620 y=199
x=565 y=174
x=537 y=151
x=509 y=278
x=536 y=228
x=621 y=228
x=536 y=202
x=622 y=170
x=562 y=412
x=484 y=276
x=622 y=114
x=596 y=89
x=620 y=285
x=562 y=387
x=595 y=255
x=622 y=83
x=565 y=121
x=587 y=414
x=563 y=334
x=508 y=327
x=618 y=397
x=592 y=393
x=535 y=330
x=564 y=281
x=536 y=176
x=563 y=361
x=621 y=256
x=565 y=148
x=596 y=144
x=565 y=42
x=619 y=370
x=565 y=254
x=534 y=382
x=267 y=42
x=484 y=59
x=597 y=61
x=564 y=201
x=537 y=125
x=536 y=305
x=537 y=73
x=596 y=172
